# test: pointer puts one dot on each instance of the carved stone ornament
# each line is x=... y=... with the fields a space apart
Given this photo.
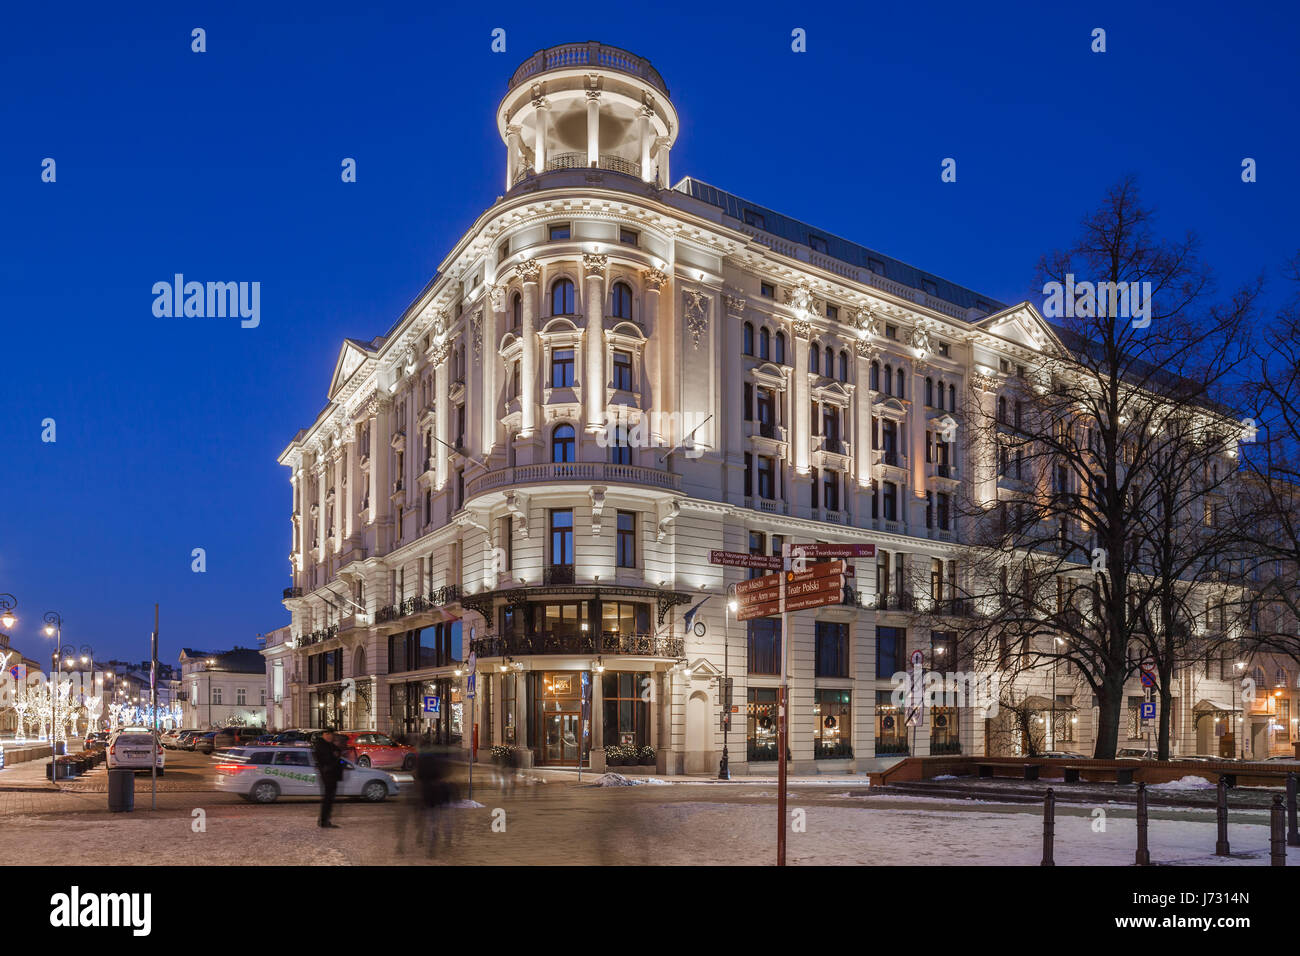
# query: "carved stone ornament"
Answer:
x=530 y=270
x=695 y=307
x=476 y=334
x=802 y=300
x=867 y=320
x=654 y=279
x=497 y=294
x=594 y=264
x=985 y=383
x=921 y=341
x=440 y=352
x=735 y=304
x=803 y=330
x=866 y=349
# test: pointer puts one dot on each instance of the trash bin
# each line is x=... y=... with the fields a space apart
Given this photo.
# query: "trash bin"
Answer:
x=121 y=790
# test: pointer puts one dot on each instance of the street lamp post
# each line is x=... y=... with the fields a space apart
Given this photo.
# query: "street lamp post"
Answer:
x=7 y=604
x=724 y=769
x=54 y=628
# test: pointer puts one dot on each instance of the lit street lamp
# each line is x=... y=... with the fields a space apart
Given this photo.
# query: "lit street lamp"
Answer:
x=724 y=770
x=7 y=604
x=54 y=628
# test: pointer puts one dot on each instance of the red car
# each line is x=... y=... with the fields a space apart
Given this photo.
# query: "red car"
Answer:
x=366 y=748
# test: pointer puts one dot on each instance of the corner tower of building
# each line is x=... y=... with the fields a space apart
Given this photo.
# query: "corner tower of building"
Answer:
x=583 y=105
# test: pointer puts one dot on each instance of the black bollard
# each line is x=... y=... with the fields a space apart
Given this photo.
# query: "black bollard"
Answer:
x=1292 y=833
x=1049 y=827
x=1221 y=846
x=1143 y=854
x=1277 y=835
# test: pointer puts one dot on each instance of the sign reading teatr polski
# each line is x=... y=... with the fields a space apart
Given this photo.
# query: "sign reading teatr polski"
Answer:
x=76 y=909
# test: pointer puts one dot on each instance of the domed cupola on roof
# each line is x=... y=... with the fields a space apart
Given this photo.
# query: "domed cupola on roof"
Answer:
x=587 y=104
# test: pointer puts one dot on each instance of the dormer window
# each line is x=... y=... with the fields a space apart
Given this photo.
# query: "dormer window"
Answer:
x=755 y=219
x=817 y=243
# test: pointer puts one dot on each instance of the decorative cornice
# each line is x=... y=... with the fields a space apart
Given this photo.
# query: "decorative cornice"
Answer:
x=654 y=279
x=735 y=304
x=530 y=270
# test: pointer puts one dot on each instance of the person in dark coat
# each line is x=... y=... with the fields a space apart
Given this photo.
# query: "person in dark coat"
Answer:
x=326 y=751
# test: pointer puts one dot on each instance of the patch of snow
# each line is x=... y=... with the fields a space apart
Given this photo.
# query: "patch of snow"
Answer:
x=464 y=804
x=945 y=776
x=1189 y=782
x=618 y=780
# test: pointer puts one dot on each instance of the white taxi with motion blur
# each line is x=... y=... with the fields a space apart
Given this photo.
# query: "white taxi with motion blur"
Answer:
x=264 y=774
x=129 y=749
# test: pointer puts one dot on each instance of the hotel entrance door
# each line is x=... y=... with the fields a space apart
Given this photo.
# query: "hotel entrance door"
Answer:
x=559 y=717
x=561 y=732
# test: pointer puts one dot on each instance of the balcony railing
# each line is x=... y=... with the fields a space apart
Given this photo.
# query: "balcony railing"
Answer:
x=320 y=636
x=292 y=593
x=895 y=602
x=579 y=55
x=557 y=574
x=448 y=594
x=583 y=471
x=606 y=642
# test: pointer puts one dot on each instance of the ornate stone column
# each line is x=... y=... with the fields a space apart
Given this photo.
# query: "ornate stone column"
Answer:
x=643 y=133
x=866 y=353
x=493 y=322
x=539 y=149
x=801 y=440
x=593 y=388
x=530 y=271
x=733 y=397
x=380 y=410
x=514 y=154
x=441 y=409
x=659 y=353
x=982 y=443
x=593 y=128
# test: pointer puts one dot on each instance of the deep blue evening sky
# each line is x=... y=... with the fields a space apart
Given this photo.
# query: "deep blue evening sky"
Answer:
x=225 y=166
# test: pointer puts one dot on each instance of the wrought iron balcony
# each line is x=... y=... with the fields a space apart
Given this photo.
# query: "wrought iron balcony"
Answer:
x=438 y=597
x=292 y=593
x=320 y=636
x=580 y=642
x=557 y=574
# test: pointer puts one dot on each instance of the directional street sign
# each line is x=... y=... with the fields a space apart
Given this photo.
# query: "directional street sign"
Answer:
x=749 y=611
x=766 y=582
x=822 y=570
x=817 y=550
x=819 y=599
x=739 y=559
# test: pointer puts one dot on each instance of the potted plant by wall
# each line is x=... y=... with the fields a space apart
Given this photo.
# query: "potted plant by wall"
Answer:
x=614 y=755
x=647 y=756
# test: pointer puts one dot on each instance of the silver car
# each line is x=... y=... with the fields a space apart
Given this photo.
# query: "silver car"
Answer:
x=264 y=774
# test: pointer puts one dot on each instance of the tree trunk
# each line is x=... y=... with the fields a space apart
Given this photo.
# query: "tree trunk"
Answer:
x=1109 y=712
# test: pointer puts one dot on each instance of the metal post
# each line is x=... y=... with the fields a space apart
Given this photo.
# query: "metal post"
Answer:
x=1221 y=847
x=1049 y=827
x=1277 y=832
x=724 y=770
x=1143 y=857
x=782 y=707
x=1292 y=832
x=153 y=705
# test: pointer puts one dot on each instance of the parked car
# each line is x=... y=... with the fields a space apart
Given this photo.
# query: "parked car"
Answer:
x=96 y=740
x=129 y=749
x=1062 y=755
x=301 y=737
x=264 y=774
x=369 y=749
x=228 y=737
x=186 y=740
x=1134 y=753
x=203 y=743
x=1284 y=758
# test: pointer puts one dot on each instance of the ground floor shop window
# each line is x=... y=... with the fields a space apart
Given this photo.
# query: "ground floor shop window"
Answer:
x=627 y=713
x=944 y=737
x=832 y=724
x=761 y=741
x=891 y=727
x=326 y=709
x=509 y=682
x=563 y=702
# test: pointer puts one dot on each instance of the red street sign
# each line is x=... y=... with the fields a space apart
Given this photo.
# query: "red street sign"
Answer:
x=738 y=559
x=816 y=571
x=772 y=593
x=817 y=599
x=833 y=583
x=835 y=550
x=758 y=584
x=748 y=611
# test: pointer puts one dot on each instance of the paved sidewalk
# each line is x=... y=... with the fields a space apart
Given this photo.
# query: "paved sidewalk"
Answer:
x=27 y=775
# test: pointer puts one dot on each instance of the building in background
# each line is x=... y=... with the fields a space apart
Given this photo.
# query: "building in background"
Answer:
x=223 y=689
x=608 y=377
x=277 y=647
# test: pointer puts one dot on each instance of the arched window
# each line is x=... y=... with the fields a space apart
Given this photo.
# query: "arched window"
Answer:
x=779 y=354
x=952 y=398
x=517 y=310
x=562 y=444
x=875 y=376
x=829 y=365
x=620 y=452
x=889 y=379
x=929 y=393
x=621 y=301
x=901 y=392
x=814 y=358
x=749 y=338
x=764 y=342
x=562 y=297
x=844 y=366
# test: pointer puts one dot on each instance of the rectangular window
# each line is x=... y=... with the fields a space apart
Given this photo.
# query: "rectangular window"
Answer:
x=216 y=695
x=767 y=290
x=766 y=477
x=747 y=399
x=831 y=490
x=817 y=243
x=626 y=543
x=832 y=724
x=241 y=696
x=749 y=474
x=891 y=648
x=623 y=370
x=629 y=237
x=891 y=726
x=627 y=713
x=559 y=231
x=760 y=724
x=561 y=523
x=832 y=649
x=764 y=639
x=562 y=368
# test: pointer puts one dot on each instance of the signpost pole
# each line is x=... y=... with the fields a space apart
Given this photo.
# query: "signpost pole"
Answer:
x=782 y=708
x=153 y=703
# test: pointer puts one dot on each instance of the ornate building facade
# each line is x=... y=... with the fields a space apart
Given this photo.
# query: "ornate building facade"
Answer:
x=609 y=377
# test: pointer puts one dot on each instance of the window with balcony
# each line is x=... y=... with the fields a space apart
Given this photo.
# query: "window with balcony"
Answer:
x=562 y=368
x=625 y=543
x=766 y=477
x=766 y=411
x=623 y=370
x=621 y=301
x=620 y=452
x=563 y=444
x=562 y=297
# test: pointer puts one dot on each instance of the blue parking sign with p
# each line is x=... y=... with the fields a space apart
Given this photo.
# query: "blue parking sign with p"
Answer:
x=1148 y=711
x=431 y=705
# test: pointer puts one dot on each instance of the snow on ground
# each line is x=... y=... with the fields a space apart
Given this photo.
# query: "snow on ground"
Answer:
x=1186 y=783
x=618 y=780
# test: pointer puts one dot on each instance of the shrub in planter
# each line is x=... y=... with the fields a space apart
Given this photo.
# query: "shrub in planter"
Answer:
x=648 y=756
x=614 y=755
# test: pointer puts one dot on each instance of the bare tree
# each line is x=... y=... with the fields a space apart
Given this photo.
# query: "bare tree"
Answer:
x=1100 y=449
